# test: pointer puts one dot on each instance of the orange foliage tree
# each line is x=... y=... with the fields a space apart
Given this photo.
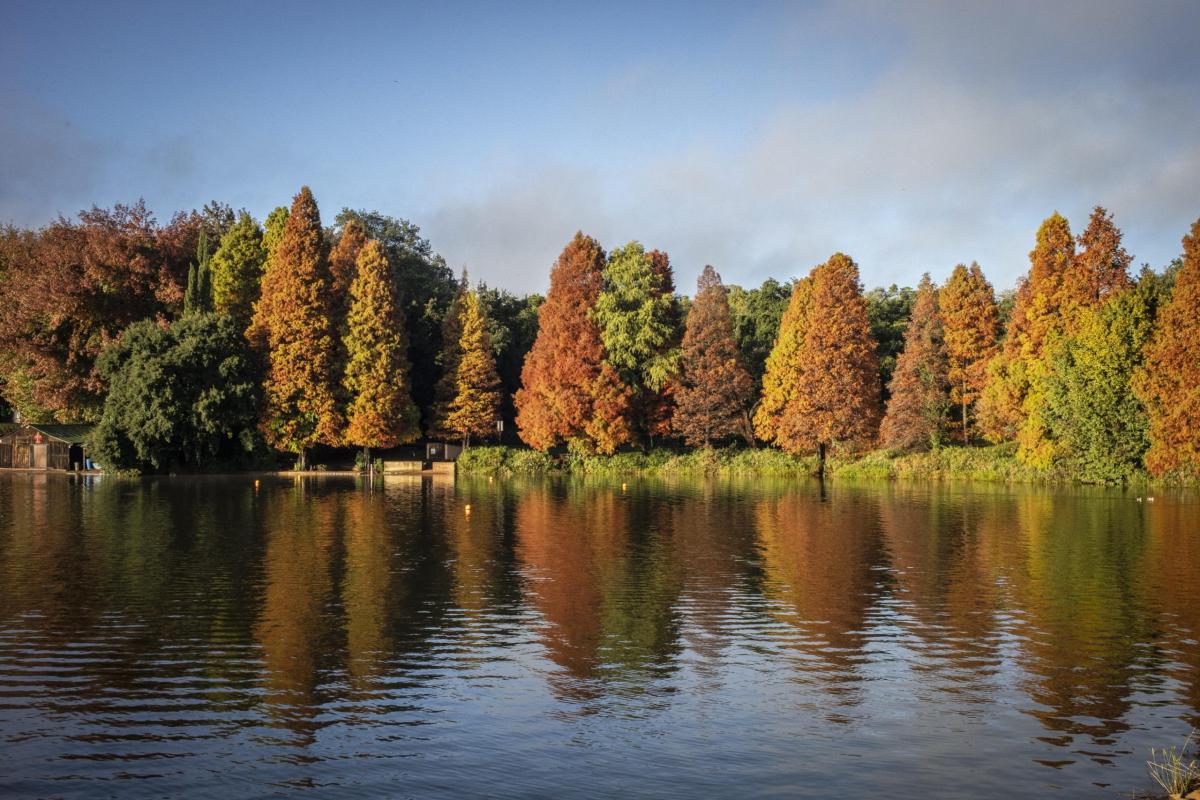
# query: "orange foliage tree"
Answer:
x=568 y=392
x=381 y=412
x=919 y=405
x=835 y=394
x=1169 y=381
x=970 y=326
x=714 y=386
x=293 y=326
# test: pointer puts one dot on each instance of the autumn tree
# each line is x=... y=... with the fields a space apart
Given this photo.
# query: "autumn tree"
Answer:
x=781 y=378
x=569 y=392
x=970 y=328
x=425 y=287
x=343 y=260
x=834 y=378
x=381 y=411
x=919 y=402
x=293 y=324
x=237 y=269
x=714 y=387
x=639 y=326
x=1169 y=382
x=446 y=388
x=476 y=405
x=69 y=290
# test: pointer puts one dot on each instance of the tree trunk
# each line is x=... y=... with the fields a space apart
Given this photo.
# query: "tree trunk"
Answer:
x=303 y=459
x=821 y=461
x=370 y=463
x=966 y=438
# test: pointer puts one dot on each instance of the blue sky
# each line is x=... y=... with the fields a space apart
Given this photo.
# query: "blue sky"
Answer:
x=759 y=138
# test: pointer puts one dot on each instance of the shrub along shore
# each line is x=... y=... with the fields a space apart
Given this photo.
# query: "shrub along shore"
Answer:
x=996 y=463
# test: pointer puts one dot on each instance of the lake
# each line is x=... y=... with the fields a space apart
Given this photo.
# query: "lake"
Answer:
x=237 y=637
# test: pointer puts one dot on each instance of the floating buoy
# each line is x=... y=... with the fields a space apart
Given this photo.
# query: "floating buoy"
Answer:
x=623 y=486
x=468 y=508
x=1139 y=499
x=256 y=484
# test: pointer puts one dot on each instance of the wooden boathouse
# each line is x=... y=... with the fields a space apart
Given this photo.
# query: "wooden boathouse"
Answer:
x=44 y=447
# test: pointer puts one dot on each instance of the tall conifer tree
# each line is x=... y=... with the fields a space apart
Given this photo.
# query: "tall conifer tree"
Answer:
x=381 y=412
x=970 y=326
x=781 y=380
x=714 y=386
x=237 y=269
x=475 y=409
x=446 y=388
x=834 y=381
x=569 y=393
x=919 y=404
x=638 y=317
x=293 y=323
x=1169 y=382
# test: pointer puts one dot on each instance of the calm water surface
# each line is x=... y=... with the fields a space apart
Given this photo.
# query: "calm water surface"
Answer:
x=214 y=638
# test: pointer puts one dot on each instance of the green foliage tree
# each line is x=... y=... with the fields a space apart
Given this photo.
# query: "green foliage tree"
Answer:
x=1097 y=422
x=381 y=412
x=273 y=228
x=237 y=269
x=294 y=328
x=199 y=295
x=756 y=317
x=446 y=388
x=888 y=311
x=638 y=319
x=475 y=409
x=512 y=328
x=183 y=396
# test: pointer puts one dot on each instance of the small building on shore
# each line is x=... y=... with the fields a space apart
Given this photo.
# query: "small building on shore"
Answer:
x=44 y=447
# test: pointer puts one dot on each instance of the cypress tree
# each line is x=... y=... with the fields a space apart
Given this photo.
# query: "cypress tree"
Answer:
x=475 y=409
x=569 y=393
x=343 y=260
x=638 y=318
x=381 y=412
x=293 y=325
x=920 y=400
x=836 y=389
x=1169 y=382
x=782 y=377
x=446 y=388
x=237 y=269
x=714 y=386
x=198 y=297
x=970 y=327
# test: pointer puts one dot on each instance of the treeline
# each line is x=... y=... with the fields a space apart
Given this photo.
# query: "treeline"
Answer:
x=214 y=336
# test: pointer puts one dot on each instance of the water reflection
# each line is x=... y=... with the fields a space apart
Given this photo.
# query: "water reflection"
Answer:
x=336 y=634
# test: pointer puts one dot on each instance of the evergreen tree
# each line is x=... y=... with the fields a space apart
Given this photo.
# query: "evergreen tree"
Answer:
x=1169 y=382
x=756 y=316
x=569 y=393
x=836 y=375
x=475 y=409
x=970 y=327
x=293 y=324
x=381 y=412
x=237 y=269
x=273 y=228
x=782 y=377
x=638 y=318
x=889 y=311
x=1097 y=422
x=918 y=407
x=179 y=396
x=198 y=297
x=714 y=387
x=446 y=388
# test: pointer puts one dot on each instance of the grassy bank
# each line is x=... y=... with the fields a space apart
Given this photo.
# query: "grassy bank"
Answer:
x=995 y=463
